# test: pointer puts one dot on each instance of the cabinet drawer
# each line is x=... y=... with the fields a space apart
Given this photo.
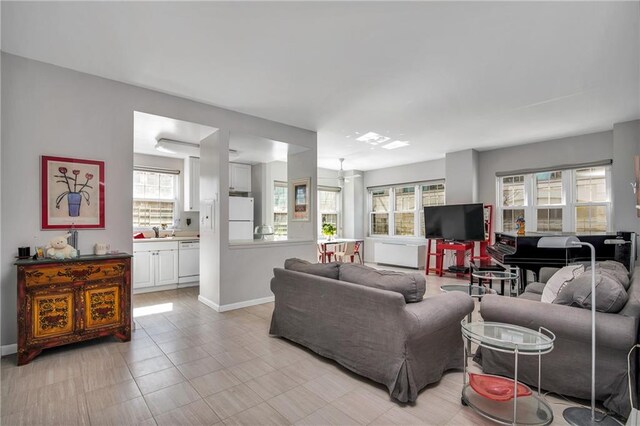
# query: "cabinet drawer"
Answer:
x=53 y=314
x=52 y=274
x=102 y=306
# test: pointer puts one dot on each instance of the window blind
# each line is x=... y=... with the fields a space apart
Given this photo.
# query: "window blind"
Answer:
x=555 y=168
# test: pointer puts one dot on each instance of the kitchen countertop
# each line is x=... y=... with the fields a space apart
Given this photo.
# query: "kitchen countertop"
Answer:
x=155 y=240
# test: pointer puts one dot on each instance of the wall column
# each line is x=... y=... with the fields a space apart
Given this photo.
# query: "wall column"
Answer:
x=626 y=145
x=461 y=177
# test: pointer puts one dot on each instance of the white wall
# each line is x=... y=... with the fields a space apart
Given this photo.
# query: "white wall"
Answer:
x=48 y=110
x=173 y=164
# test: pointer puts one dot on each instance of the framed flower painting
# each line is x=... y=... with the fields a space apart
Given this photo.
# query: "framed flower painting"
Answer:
x=72 y=193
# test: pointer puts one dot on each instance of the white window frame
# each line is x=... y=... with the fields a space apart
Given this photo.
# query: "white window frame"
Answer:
x=175 y=200
x=338 y=212
x=417 y=208
x=568 y=197
x=285 y=185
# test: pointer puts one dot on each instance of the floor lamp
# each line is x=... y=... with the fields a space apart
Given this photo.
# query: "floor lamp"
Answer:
x=580 y=416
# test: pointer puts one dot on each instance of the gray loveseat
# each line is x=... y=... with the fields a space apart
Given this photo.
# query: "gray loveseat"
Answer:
x=372 y=332
x=567 y=369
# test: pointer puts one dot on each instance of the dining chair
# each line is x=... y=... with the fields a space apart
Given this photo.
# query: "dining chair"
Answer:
x=346 y=250
x=356 y=252
x=324 y=253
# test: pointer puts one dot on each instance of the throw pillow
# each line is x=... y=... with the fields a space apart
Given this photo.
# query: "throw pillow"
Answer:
x=411 y=286
x=559 y=280
x=327 y=270
x=610 y=294
x=615 y=269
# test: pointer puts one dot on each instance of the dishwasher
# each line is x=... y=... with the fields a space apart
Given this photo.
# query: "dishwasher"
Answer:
x=188 y=262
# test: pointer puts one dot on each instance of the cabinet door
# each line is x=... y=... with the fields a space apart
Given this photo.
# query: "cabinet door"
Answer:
x=192 y=184
x=166 y=267
x=53 y=314
x=239 y=177
x=143 y=268
x=102 y=305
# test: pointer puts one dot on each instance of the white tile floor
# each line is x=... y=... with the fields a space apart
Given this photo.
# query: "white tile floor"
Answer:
x=189 y=365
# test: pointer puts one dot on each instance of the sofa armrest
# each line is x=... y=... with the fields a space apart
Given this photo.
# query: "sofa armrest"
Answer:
x=566 y=322
x=436 y=312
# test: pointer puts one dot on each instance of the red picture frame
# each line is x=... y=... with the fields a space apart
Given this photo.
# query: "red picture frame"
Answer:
x=72 y=191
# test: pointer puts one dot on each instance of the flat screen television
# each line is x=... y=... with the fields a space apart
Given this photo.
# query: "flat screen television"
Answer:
x=457 y=222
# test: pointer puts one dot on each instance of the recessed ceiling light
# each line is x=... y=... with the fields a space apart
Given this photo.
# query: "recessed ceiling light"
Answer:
x=373 y=138
x=396 y=144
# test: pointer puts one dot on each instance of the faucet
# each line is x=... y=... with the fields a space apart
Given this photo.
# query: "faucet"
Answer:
x=156 y=230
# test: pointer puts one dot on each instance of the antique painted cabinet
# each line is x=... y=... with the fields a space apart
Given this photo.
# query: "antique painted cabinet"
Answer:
x=67 y=301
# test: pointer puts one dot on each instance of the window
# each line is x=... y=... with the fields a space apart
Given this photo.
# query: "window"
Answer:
x=280 y=212
x=328 y=207
x=397 y=211
x=512 y=199
x=572 y=200
x=405 y=208
x=548 y=189
x=432 y=195
x=591 y=199
x=154 y=198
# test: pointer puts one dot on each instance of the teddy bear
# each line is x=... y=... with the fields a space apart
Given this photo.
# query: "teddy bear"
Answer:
x=59 y=249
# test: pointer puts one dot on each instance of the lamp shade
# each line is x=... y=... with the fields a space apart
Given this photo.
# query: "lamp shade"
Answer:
x=558 y=242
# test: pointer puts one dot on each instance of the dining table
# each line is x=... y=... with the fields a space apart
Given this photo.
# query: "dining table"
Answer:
x=326 y=243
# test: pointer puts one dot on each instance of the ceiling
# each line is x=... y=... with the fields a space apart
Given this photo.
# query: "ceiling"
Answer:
x=444 y=76
x=249 y=149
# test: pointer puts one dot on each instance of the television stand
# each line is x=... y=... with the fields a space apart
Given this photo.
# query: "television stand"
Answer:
x=460 y=248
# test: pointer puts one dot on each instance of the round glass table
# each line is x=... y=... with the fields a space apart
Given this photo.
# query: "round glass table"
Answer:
x=531 y=409
x=502 y=276
x=472 y=290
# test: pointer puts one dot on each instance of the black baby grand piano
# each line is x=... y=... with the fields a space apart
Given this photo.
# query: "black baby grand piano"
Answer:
x=522 y=250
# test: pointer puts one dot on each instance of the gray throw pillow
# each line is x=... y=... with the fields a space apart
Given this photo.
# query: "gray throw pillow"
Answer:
x=327 y=270
x=411 y=286
x=610 y=294
x=616 y=270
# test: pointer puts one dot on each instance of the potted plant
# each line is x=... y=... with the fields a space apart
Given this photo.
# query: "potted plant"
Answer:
x=329 y=230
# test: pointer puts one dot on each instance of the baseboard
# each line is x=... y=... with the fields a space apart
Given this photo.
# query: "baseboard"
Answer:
x=246 y=304
x=209 y=303
x=9 y=349
x=234 y=306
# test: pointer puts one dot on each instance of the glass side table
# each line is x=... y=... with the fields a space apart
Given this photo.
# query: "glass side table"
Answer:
x=516 y=340
x=509 y=275
x=475 y=291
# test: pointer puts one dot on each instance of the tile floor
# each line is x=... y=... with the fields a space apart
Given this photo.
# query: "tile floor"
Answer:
x=189 y=365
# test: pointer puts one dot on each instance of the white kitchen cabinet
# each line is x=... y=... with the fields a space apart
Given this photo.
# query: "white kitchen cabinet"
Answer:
x=167 y=267
x=143 y=265
x=155 y=264
x=191 y=184
x=239 y=177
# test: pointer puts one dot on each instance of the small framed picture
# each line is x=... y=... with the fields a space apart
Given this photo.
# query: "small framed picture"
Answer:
x=300 y=199
x=40 y=252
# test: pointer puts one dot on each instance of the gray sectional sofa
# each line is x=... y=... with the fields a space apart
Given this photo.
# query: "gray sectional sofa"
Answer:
x=377 y=326
x=567 y=369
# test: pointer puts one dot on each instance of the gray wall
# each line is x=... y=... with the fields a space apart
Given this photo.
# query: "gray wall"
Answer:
x=48 y=110
x=626 y=145
x=573 y=150
x=461 y=175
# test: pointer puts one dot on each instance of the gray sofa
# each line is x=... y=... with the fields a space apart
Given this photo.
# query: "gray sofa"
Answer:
x=371 y=331
x=567 y=369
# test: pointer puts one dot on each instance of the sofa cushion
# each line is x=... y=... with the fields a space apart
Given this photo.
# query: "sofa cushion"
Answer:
x=327 y=270
x=610 y=294
x=411 y=286
x=559 y=280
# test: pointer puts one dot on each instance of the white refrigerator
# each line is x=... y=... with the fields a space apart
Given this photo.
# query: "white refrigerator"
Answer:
x=240 y=218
